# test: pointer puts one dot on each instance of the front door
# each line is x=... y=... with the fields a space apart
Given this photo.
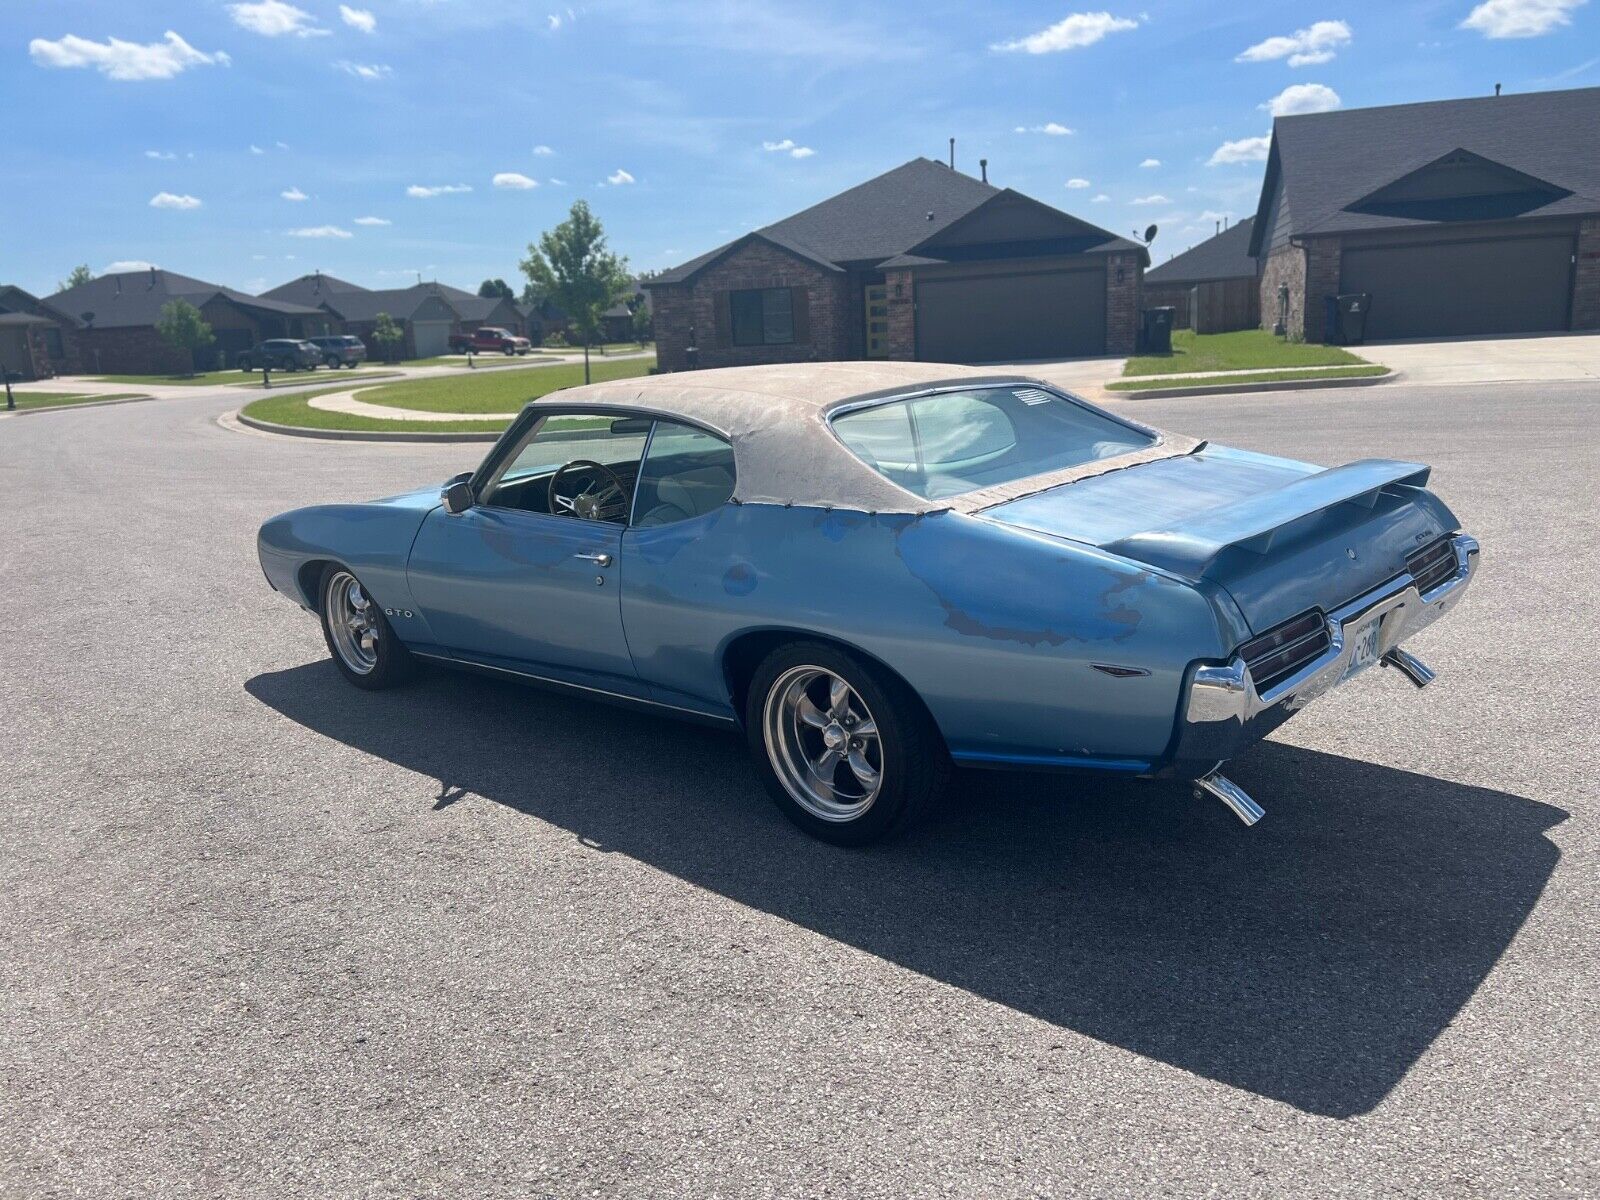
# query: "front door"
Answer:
x=875 y=300
x=509 y=583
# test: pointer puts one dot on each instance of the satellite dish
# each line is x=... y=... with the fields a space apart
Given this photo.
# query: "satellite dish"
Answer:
x=88 y=318
x=1149 y=234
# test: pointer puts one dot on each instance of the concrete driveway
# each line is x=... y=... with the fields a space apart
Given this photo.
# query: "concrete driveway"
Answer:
x=1492 y=360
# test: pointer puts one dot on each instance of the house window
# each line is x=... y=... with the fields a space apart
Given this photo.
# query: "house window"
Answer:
x=762 y=316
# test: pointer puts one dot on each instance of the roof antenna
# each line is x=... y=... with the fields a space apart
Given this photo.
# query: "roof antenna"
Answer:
x=1497 y=89
x=983 y=165
x=952 y=154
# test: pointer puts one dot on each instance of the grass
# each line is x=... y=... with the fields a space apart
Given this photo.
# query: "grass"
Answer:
x=1157 y=381
x=286 y=379
x=485 y=361
x=1243 y=350
x=491 y=392
x=60 y=399
x=203 y=379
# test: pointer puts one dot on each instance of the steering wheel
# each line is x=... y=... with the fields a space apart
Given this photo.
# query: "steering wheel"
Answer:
x=603 y=496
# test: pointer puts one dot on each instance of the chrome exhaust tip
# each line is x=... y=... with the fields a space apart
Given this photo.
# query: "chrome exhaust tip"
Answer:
x=1409 y=665
x=1238 y=800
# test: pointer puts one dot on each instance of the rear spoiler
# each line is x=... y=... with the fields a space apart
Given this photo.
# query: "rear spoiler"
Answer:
x=1252 y=524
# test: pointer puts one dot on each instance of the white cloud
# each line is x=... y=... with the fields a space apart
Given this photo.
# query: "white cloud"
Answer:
x=169 y=200
x=543 y=151
x=161 y=155
x=786 y=144
x=514 y=180
x=619 y=177
x=1102 y=198
x=367 y=71
x=358 y=18
x=125 y=62
x=282 y=145
x=418 y=192
x=1150 y=162
x=801 y=152
x=274 y=18
x=255 y=149
x=1302 y=98
x=1317 y=43
x=320 y=231
x=1155 y=198
x=1071 y=33
x=1050 y=128
x=1520 y=18
x=558 y=183
x=554 y=22
x=124 y=266
x=373 y=221
x=1244 y=150
x=295 y=194
x=1077 y=183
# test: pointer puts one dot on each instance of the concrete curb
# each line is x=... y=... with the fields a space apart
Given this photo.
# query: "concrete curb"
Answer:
x=51 y=408
x=1234 y=389
x=358 y=435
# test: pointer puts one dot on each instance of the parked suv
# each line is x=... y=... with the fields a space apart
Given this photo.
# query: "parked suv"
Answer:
x=281 y=354
x=341 y=350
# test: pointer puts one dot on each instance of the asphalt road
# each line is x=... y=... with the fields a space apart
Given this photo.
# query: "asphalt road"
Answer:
x=268 y=936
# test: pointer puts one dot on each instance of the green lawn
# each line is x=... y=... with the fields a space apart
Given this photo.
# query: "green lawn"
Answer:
x=490 y=392
x=203 y=379
x=1139 y=385
x=484 y=361
x=59 y=400
x=1243 y=350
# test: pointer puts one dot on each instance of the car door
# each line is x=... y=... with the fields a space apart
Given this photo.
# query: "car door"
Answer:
x=507 y=583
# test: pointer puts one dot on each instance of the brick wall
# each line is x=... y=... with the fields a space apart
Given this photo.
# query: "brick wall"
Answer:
x=1586 y=278
x=1286 y=265
x=1322 y=280
x=133 y=350
x=1122 y=302
x=680 y=308
x=902 y=339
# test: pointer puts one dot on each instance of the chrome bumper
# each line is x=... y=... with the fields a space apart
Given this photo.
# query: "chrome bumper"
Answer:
x=1223 y=712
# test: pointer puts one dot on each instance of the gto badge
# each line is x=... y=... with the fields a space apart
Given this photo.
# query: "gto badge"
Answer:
x=397 y=612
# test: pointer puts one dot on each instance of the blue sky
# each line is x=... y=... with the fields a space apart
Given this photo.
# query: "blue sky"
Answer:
x=247 y=143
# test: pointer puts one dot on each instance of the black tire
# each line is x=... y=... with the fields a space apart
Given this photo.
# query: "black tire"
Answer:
x=247 y=364
x=914 y=770
x=331 y=362
x=392 y=663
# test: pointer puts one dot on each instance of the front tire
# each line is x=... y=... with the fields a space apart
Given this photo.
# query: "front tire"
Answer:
x=360 y=639
x=846 y=750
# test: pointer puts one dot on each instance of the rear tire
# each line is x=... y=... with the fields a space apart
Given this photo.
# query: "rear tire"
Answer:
x=331 y=362
x=360 y=639
x=846 y=750
x=247 y=364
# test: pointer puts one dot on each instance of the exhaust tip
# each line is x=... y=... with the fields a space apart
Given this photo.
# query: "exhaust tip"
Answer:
x=1409 y=665
x=1220 y=787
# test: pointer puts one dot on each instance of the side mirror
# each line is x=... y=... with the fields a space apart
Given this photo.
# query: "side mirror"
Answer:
x=457 y=497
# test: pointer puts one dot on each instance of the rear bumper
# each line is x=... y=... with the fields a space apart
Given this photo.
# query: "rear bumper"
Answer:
x=1222 y=712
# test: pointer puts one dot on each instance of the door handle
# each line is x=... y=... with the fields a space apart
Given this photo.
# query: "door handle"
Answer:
x=602 y=560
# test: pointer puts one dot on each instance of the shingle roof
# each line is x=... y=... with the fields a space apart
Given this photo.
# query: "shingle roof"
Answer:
x=1328 y=161
x=133 y=298
x=874 y=221
x=1225 y=256
x=311 y=289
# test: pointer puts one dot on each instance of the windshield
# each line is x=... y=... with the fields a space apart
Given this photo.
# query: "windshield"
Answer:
x=948 y=443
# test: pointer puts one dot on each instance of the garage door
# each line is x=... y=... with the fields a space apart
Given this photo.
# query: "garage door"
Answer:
x=1447 y=289
x=1004 y=318
x=432 y=337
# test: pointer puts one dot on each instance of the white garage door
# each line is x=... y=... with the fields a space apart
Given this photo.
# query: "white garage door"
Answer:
x=432 y=337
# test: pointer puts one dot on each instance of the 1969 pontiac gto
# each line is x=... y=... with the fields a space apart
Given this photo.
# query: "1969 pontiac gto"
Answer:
x=879 y=571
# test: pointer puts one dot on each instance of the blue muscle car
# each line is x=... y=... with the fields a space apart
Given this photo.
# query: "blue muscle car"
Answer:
x=882 y=570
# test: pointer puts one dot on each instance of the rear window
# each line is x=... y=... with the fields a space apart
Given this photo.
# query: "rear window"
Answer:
x=948 y=443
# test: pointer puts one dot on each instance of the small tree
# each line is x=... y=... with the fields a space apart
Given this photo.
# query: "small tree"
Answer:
x=641 y=320
x=387 y=334
x=80 y=276
x=183 y=328
x=573 y=266
x=490 y=289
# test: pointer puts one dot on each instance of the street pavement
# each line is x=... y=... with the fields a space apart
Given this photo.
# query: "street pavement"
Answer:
x=266 y=935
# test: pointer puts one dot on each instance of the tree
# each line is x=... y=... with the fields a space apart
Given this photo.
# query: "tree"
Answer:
x=183 y=328
x=641 y=320
x=574 y=267
x=533 y=295
x=490 y=288
x=386 y=333
x=80 y=276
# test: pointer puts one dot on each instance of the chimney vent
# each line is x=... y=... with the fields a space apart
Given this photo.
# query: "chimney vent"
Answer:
x=952 y=154
x=983 y=165
x=1497 y=89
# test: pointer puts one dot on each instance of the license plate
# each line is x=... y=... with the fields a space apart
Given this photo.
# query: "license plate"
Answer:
x=1363 y=648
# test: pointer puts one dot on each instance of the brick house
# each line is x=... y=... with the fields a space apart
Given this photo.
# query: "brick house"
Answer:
x=1459 y=217
x=37 y=341
x=427 y=313
x=922 y=262
x=1215 y=286
x=116 y=321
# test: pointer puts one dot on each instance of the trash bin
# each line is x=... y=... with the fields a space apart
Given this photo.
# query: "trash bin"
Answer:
x=1332 y=335
x=1353 y=309
x=1157 y=331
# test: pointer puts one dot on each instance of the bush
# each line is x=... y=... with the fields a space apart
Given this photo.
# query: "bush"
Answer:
x=556 y=340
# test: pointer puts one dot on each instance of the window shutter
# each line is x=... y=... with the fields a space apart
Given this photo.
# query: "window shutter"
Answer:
x=724 y=318
x=800 y=306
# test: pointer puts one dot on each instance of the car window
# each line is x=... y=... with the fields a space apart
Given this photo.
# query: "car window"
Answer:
x=601 y=490
x=947 y=443
x=687 y=472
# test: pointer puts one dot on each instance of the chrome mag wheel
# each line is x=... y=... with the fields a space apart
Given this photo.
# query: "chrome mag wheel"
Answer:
x=823 y=743
x=353 y=623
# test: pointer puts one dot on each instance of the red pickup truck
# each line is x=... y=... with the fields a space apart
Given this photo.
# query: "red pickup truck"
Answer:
x=489 y=340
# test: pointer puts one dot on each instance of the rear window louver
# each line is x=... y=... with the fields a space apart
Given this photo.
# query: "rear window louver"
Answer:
x=1284 y=649
x=1433 y=565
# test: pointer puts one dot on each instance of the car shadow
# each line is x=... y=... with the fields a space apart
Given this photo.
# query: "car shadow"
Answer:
x=1311 y=959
